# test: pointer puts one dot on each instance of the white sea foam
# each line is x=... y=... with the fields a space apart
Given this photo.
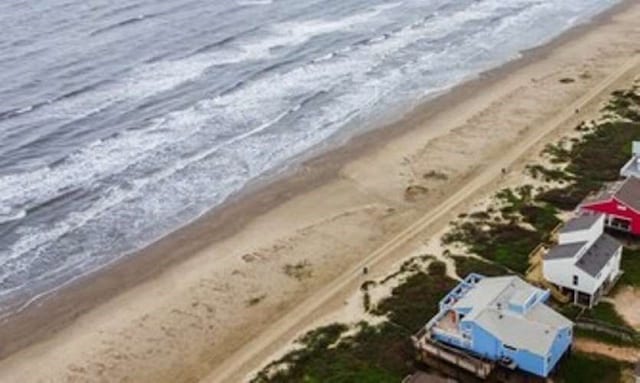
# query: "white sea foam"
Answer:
x=152 y=179
x=254 y=2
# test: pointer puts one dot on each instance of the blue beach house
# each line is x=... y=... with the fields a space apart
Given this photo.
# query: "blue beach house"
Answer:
x=504 y=320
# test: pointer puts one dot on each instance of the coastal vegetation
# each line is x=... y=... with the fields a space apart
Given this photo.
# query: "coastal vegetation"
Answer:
x=581 y=368
x=366 y=353
x=631 y=265
x=508 y=234
x=300 y=271
x=567 y=80
x=502 y=237
x=586 y=164
x=468 y=265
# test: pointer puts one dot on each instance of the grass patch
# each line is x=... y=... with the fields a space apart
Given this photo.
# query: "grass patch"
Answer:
x=255 y=300
x=543 y=218
x=609 y=320
x=630 y=263
x=507 y=244
x=468 y=265
x=585 y=368
x=606 y=312
x=548 y=175
x=568 y=310
x=371 y=354
x=606 y=338
x=435 y=175
x=507 y=241
x=300 y=271
x=597 y=157
x=411 y=265
x=414 y=302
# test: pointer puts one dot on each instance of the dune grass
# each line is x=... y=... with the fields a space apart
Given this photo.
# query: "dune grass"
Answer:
x=379 y=354
x=631 y=265
x=509 y=238
x=468 y=265
x=586 y=368
x=595 y=158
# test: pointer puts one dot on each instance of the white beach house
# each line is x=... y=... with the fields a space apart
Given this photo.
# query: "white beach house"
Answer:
x=632 y=168
x=586 y=261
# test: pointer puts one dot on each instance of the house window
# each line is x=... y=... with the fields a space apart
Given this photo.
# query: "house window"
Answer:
x=620 y=223
x=575 y=280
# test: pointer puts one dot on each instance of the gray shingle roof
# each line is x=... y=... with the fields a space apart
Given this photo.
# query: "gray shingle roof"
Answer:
x=629 y=193
x=568 y=250
x=598 y=255
x=626 y=191
x=582 y=222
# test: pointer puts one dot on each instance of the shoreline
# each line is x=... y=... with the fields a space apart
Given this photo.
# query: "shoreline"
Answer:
x=268 y=191
x=260 y=197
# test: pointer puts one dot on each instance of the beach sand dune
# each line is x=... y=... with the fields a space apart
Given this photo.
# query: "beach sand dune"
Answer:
x=201 y=316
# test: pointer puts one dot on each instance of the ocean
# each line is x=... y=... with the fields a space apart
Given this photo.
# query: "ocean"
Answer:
x=121 y=121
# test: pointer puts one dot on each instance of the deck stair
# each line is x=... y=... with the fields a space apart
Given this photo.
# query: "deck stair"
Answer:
x=534 y=273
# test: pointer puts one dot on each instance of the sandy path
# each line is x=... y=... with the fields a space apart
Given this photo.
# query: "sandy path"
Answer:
x=625 y=354
x=287 y=326
x=627 y=303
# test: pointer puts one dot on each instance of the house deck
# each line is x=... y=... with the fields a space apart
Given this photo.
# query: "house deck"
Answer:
x=447 y=324
x=427 y=348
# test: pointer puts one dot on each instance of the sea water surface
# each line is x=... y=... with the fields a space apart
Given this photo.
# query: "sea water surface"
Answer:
x=121 y=121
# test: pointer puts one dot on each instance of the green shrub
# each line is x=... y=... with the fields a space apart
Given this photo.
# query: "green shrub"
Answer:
x=584 y=368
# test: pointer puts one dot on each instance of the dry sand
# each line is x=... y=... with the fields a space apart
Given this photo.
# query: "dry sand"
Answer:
x=627 y=302
x=257 y=274
x=625 y=354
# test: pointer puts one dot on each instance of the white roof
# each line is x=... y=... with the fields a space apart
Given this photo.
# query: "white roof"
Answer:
x=483 y=293
x=520 y=297
x=535 y=330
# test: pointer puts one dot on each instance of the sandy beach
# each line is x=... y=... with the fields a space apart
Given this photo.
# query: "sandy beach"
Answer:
x=217 y=299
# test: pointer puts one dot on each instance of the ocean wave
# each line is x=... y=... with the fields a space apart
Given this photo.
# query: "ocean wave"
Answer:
x=119 y=24
x=123 y=9
x=122 y=191
x=254 y=2
x=8 y=214
x=248 y=102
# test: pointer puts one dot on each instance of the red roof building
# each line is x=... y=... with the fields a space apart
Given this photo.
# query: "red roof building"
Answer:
x=620 y=203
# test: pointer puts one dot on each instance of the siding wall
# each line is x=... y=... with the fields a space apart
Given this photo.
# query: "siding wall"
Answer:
x=590 y=235
x=484 y=343
x=487 y=345
x=615 y=208
x=561 y=272
x=560 y=346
